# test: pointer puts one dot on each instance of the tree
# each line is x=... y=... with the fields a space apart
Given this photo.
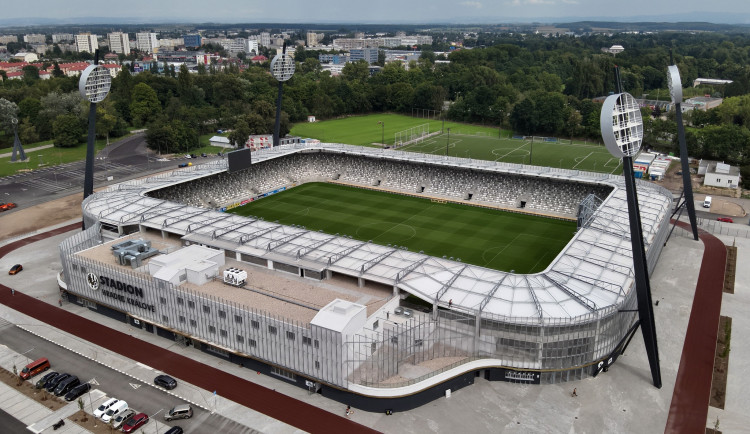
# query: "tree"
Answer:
x=57 y=72
x=522 y=117
x=68 y=130
x=29 y=108
x=30 y=74
x=53 y=105
x=8 y=112
x=144 y=104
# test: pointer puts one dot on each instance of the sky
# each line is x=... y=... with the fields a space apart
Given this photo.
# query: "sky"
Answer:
x=382 y=11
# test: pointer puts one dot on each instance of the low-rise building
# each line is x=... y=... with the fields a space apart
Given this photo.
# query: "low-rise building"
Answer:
x=719 y=174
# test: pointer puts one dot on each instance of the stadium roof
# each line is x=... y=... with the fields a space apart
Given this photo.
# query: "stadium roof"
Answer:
x=593 y=273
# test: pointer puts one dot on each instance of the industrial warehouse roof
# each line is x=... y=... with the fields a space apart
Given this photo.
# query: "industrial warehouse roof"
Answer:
x=592 y=273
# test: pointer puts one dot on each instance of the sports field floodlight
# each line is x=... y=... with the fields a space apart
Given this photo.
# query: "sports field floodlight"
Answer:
x=94 y=86
x=282 y=69
x=16 y=143
x=675 y=91
x=622 y=131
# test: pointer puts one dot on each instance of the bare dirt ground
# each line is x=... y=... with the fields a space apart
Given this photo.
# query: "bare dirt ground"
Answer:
x=40 y=216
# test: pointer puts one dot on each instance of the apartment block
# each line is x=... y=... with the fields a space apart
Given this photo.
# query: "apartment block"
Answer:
x=119 y=43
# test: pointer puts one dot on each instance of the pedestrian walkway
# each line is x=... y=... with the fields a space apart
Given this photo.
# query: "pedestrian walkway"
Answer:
x=38 y=148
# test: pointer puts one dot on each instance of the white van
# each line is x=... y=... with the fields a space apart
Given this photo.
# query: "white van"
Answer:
x=118 y=408
x=99 y=412
x=707 y=202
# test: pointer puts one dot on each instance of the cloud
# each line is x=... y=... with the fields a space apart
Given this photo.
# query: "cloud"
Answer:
x=477 y=5
x=532 y=2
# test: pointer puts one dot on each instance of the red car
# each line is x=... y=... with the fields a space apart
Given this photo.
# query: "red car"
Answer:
x=725 y=219
x=135 y=422
x=15 y=269
x=7 y=206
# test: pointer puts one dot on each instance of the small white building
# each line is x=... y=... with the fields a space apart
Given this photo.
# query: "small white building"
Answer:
x=26 y=57
x=194 y=264
x=220 y=141
x=718 y=174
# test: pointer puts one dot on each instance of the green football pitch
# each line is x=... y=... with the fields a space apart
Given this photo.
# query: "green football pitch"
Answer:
x=485 y=237
x=462 y=140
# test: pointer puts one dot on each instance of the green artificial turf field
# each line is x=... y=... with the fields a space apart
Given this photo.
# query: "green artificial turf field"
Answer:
x=464 y=140
x=489 y=238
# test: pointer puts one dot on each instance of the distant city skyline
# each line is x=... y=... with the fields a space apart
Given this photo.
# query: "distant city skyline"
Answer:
x=387 y=11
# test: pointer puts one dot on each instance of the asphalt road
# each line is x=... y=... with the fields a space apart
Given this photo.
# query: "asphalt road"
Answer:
x=125 y=159
x=11 y=425
x=139 y=396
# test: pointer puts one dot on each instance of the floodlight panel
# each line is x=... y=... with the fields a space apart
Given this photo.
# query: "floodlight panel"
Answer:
x=95 y=83
x=282 y=67
x=674 y=82
x=621 y=125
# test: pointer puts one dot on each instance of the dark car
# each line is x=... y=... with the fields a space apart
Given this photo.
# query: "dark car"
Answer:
x=165 y=381
x=204 y=155
x=193 y=156
x=64 y=386
x=51 y=384
x=174 y=430
x=77 y=391
x=135 y=422
x=15 y=269
x=725 y=219
x=43 y=381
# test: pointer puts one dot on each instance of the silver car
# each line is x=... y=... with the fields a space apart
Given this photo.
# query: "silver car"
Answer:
x=117 y=422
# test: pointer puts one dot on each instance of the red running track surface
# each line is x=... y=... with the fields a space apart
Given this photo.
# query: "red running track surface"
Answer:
x=692 y=390
x=269 y=402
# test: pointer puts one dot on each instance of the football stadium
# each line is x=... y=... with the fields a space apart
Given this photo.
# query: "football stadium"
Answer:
x=376 y=276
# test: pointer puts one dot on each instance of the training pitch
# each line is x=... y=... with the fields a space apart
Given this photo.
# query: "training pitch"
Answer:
x=480 y=236
x=463 y=140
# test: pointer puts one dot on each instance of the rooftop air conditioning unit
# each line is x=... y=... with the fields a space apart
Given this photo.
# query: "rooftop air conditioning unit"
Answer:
x=235 y=277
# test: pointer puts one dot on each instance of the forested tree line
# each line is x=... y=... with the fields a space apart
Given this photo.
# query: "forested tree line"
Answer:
x=530 y=84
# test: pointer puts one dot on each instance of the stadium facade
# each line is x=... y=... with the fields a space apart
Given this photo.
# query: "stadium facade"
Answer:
x=554 y=326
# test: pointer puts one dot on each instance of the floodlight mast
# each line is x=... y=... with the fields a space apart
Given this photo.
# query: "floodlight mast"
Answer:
x=622 y=131
x=282 y=68
x=94 y=86
x=675 y=91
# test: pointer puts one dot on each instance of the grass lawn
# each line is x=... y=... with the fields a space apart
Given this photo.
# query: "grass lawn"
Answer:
x=479 y=236
x=45 y=157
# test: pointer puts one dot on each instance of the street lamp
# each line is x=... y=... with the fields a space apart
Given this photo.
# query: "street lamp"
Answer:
x=622 y=131
x=94 y=86
x=19 y=355
x=91 y=403
x=282 y=69
x=382 y=133
x=447 y=142
x=155 y=423
x=675 y=91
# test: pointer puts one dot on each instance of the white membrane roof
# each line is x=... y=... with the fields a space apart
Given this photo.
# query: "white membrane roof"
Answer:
x=593 y=272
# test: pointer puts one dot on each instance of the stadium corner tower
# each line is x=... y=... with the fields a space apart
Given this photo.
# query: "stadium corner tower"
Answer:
x=379 y=327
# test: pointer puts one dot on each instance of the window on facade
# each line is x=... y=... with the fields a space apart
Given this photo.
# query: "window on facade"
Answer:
x=317 y=364
x=191 y=304
x=255 y=324
x=182 y=319
x=164 y=318
x=317 y=344
x=238 y=319
x=252 y=342
x=374 y=347
x=375 y=325
x=223 y=333
x=272 y=330
x=283 y=373
x=75 y=267
x=206 y=309
x=193 y=323
x=211 y=329
x=240 y=338
x=180 y=300
x=162 y=300
x=306 y=340
x=290 y=336
x=222 y=314
x=83 y=269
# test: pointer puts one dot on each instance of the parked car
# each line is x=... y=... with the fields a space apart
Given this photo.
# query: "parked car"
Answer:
x=15 y=269
x=135 y=422
x=34 y=368
x=64 y=386
x=55 y=381
x=114 y=411
x=43 y=381
x=77 y=391
x=99 y=412
x=187 y=155
x=122 y=417
x=7 y=206
x=204 y=155
x=193 y=156
x=174 y=430
x=182 y=411
x=165 y=381
x=725 y=219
